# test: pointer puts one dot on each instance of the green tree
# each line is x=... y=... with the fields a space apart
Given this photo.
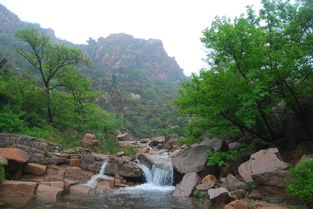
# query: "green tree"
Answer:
x=50 y=60
x=260 y=73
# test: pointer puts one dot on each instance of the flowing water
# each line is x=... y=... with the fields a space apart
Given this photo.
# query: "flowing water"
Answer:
x=154 y=194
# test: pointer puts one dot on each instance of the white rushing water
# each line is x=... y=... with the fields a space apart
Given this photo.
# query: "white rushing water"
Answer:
x=92 y=182
x=159 y=177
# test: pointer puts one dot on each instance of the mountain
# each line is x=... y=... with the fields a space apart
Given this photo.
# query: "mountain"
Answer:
x=136 y=78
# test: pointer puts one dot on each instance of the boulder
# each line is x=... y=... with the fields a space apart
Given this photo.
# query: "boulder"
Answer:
x=17 y=188
x=192 y=159
x=273 y=207
x=35 y=169
x=3 y=160
x=49 y=193
x=215 y=144
x=237 y=204
x=80 y=190
x=76 y=173
x=123 y=166
x=233 y=145
x=263 y=161
x=205 y=187
x=255 y=195
x=232 y=183
x=105 y=185
x=144 y=150
x=219 y=197
x=68 y=183
x=14 y=154
x=209 y=178
x=90 y=140
x=187 y=185
x=150 y=160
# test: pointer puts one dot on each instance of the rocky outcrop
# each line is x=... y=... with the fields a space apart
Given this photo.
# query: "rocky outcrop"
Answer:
x=80 y=190
x=122 y=51
x=187 y=185
x=75 y=173
x=237 y=204
x=50 y=192
x=150 y=160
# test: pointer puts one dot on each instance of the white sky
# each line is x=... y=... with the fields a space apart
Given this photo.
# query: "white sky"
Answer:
x=178 y=23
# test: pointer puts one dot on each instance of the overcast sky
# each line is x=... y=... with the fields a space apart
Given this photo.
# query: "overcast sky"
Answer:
x=178 y=23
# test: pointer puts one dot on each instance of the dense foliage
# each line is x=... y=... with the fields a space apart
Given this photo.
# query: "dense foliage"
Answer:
x=260 y=75
x=301 y=185
x=59 y=103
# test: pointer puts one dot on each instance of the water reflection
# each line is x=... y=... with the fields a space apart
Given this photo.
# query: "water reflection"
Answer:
x=138 y=200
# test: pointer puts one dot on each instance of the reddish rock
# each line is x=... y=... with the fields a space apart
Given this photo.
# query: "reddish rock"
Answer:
x=78 y=174
x=17 y=188
x=79 y=190
x=273 y=207
x=68 y=183
x=36 y=169
x=237 y=204
x=58 y=184
x=209 y=178
x=144 y=150
x=109 y=180
x=56 y=171
x=255 y=195
x=14 y=154
x=50 y=193
x=103 y=187
x=90 y=140
x=75 y=162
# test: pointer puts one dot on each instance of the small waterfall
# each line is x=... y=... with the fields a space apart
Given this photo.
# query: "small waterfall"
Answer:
x=93 y=180
x=159 y=177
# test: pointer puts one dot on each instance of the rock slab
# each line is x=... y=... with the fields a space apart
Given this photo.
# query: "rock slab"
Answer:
x=187 y=185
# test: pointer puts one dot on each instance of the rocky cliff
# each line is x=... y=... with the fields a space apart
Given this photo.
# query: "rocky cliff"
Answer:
x=122 y=51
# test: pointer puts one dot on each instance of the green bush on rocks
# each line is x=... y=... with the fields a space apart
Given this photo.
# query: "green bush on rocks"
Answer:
x=301 y=185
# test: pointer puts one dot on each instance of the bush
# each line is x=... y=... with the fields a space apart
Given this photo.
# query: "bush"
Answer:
x=301 y=185
x=2 y=173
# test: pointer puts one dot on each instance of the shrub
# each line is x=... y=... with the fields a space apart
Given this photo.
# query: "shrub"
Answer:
x=2 y=173
x=301 y=185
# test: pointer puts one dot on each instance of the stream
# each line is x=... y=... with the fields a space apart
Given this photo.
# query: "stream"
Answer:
x=154 y=194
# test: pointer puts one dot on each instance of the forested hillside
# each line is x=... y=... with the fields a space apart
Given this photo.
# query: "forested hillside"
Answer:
x=133 y=78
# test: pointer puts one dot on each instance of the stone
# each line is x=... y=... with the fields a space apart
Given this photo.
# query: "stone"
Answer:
x=14 y=154
x=76 y=173
x=75 y=162
x=232 y=183
x=219 y=197
x=103 y=187
x=89 y=140
x=192 y=159
x=35 y=169
x=17 y=188
x=215 y=144
x=68 y=183
x=120 y=154
x=237 y=204
x=144 y=150
x=58 y=184
x=273 y=207
x=255 y=195
x=3 y=160
x=123 y=137
x=205 y=187
x=278 y=178
x=233 y=145
x=49 y=193
x=123 y=166
x=239 y=194
x=263 y=161
x=110 y=180
x=187 y=185
x=150 y=160
x=80 y=190
x=206 y=204
x=209 y=178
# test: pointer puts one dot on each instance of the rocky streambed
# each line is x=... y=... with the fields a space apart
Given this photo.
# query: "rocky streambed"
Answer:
x=161 y=175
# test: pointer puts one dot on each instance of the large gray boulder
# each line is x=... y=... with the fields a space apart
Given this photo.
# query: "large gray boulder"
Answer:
x=215 y=144
x=150 y=160
x=187 y=185
x=192 y=159
x=263 y=161
x=232 y=183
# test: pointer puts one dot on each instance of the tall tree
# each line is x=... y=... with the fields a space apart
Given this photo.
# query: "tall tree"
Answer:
x=260 y=76
x=50 y=60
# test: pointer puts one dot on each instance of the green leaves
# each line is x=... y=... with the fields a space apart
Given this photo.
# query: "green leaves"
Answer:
x=261 y=70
